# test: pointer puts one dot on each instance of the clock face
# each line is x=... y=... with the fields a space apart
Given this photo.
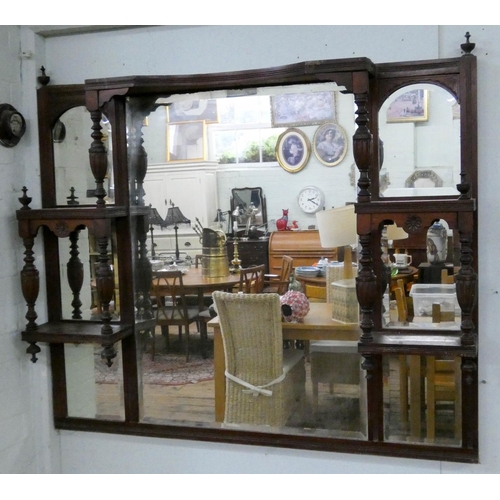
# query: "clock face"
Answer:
x=16 y=124
x=12 y=125
x=311 y=199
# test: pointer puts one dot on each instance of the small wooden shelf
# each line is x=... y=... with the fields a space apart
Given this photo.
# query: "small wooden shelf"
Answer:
x=82 y=332
x=72 y=213
x=425 y=345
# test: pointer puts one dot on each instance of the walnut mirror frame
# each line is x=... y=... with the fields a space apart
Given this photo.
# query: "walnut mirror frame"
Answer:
x=126 y=102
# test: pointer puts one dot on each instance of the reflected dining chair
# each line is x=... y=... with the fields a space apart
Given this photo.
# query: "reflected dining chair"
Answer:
x=265 y=384
x=274 y=283
x=443 y=376
x=172 y=308
x=252 y=279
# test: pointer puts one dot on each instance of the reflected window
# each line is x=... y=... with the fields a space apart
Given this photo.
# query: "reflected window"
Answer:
x=244 y=133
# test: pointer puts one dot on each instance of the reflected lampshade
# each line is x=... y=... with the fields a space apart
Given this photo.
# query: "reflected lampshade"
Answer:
x=337 y=227
x=155 y=219
x=396 y=233
x=175 y=216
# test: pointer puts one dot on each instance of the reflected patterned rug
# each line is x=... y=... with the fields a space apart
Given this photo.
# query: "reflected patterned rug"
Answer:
x=166 y=369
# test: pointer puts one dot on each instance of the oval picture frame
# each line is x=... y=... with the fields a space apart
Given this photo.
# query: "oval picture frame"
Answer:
x=293 y=150
x=330 y=151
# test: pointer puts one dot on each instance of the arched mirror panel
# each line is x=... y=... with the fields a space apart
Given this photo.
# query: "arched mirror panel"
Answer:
x=419 y=126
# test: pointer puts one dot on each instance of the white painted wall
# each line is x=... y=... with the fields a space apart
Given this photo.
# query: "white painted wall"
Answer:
x=28 y=443
x=208 y=49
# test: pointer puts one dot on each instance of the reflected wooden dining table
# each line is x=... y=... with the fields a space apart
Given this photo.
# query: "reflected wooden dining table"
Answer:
x=317 y=325
x=195 y=283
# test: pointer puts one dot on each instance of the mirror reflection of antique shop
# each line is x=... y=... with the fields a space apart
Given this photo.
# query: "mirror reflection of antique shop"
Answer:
x=359 y=379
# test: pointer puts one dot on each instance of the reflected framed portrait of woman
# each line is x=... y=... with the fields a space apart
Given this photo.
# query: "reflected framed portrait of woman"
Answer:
x=330 y=144
x=293 y=150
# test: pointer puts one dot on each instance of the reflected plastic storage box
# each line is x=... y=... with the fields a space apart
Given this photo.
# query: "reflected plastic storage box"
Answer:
x=424 y=295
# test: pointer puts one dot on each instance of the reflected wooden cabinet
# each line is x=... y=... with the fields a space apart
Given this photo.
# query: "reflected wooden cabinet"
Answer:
x=250 y=252
x=190 y=186
x=303 y=246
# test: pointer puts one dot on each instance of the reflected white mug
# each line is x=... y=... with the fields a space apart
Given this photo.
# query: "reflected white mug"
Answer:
x=402 y=259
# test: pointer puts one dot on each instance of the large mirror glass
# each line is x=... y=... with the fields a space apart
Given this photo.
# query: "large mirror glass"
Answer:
x=232 y=137
x=420 y=129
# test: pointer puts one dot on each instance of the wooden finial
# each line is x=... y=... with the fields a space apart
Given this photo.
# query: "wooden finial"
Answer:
x=467 y=47
x=25 y=199
x=72 y=199
x=43 y=79
x=463 y=187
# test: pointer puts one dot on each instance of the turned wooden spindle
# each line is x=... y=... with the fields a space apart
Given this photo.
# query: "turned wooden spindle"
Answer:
x=367 y=289
x=75 y=274
x=362 y=146
x=98 y=158
x=105 y=285
x=144 y=275
x=466 y=288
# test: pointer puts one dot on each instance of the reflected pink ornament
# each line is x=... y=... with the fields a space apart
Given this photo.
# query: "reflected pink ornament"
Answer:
x=294 y=306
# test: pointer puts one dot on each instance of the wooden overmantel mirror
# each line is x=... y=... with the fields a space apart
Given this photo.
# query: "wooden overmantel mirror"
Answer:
x=370 y=386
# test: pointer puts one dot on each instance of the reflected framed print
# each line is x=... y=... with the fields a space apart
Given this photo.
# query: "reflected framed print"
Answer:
x=330 y=144
x=186 y=141
x=292 y=150
x=412 y=106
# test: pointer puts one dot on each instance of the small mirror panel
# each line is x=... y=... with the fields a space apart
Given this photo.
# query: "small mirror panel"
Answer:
x=420 y=131
x=248 y=205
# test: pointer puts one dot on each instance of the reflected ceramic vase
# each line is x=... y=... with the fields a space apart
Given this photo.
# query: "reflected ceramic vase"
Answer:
x=282 y=223
x=294 y=285
x=437 y=243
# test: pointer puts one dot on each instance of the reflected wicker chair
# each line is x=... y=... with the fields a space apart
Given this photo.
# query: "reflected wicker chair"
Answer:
x=264 y=383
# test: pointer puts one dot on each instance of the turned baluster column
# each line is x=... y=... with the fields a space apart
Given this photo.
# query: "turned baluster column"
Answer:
x=362 y=145
x=466 y=287
x=366 y=281
x=137 y=155
x=98 y=158
x=138 y=165
x=105 y=284
x=30 y=277
x=30 y=284
x=367 y=288
x=75 y=274
x=144 y=273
